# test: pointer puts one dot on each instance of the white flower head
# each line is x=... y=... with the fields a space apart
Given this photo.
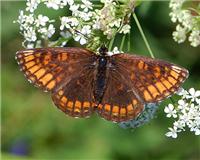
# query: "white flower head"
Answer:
x=32 y=5
x=114 y=51
x=188 y=24
x=171 y=112
x=41 y=20
x=30 y=35
x=55 y=4
x=86 y=30
x=187 y=113
x=194 y=38
x=194 y=95
x=86 y=5
x=125 y=29
x=180 y=34
x=172 y=133
x=50 y=31
x=80 y=38
x=30 y=19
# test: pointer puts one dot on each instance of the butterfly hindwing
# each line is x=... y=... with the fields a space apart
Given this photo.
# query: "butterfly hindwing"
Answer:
x=76 y=97
x=152 y=79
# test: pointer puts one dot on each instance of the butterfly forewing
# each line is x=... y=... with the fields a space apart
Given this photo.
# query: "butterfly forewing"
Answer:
x=153 y=80
x=48 y=68
x=66 y=72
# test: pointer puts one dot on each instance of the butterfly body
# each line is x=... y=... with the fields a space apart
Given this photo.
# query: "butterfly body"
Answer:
x=117 y=87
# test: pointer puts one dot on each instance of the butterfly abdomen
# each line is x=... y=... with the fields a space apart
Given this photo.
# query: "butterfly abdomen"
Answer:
x=100 y=79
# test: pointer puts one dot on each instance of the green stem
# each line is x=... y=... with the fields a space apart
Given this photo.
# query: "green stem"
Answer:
x=122 y=43
x=143 y=36
x=111 y=44
x=129 y=42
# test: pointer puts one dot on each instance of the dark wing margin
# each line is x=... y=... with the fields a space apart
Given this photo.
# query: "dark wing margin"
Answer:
x=152 y=79
x=47 y=68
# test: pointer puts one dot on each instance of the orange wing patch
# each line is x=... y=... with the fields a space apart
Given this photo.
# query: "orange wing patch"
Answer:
x=40 y=67
x=72 y=107
x=118 y=113
x=165 y=85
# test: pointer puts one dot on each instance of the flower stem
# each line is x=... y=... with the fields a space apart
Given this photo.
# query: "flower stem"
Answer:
x=142 y=34
x=129 y=42
x=122 y=43
x=111 y=44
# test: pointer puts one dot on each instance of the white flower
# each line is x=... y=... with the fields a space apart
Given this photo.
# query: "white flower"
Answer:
x=189 y=23
x=74 y=8
x=22 y=17
x=41 y=20
x=86 y=5
x=183 y=93
x=115 y=23
x=194 y=38
x=172 y=133
x=50 y=30
x=188 y=112
x=74 y=22
x=30 y=35
x=114 y=51
x=68 y=22
x=55 y=4
x=125 y=29
x=70 y=2
x=180 y=34
x=65 y=23
x=80 y=38
x=179 y=124
x=86 y=30
x=47 y=32
x=194 y=95
x=32 y=5
x=182 y=105
x=30 y=19
x=85 y=16
x=170 y=111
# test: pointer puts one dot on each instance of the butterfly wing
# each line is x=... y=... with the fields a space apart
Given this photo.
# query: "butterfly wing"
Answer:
x=62 y=71
x=135 y=80
x=152 y=79
x=120 y=102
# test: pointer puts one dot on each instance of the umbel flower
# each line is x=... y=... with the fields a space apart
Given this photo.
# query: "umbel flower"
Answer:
x=187 y=16
x=86 y=22
x=186 y=113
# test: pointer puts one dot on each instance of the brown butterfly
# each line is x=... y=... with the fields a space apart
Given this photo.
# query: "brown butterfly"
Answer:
x=116 y=87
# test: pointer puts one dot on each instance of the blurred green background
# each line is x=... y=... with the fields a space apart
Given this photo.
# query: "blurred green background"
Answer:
x=32 y=125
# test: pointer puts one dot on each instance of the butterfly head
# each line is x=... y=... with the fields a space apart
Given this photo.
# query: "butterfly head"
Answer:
x=103 y=50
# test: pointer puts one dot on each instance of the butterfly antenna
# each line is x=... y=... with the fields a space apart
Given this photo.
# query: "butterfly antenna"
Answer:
x=78 y=32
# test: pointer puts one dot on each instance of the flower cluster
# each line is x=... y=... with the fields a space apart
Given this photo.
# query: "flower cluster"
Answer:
x=186 y=113
x=87 y=23
x=32 y=27
x=188 y=19
x=147 y=115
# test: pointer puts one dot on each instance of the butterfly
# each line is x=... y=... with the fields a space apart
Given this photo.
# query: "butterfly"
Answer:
x=117 y=87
